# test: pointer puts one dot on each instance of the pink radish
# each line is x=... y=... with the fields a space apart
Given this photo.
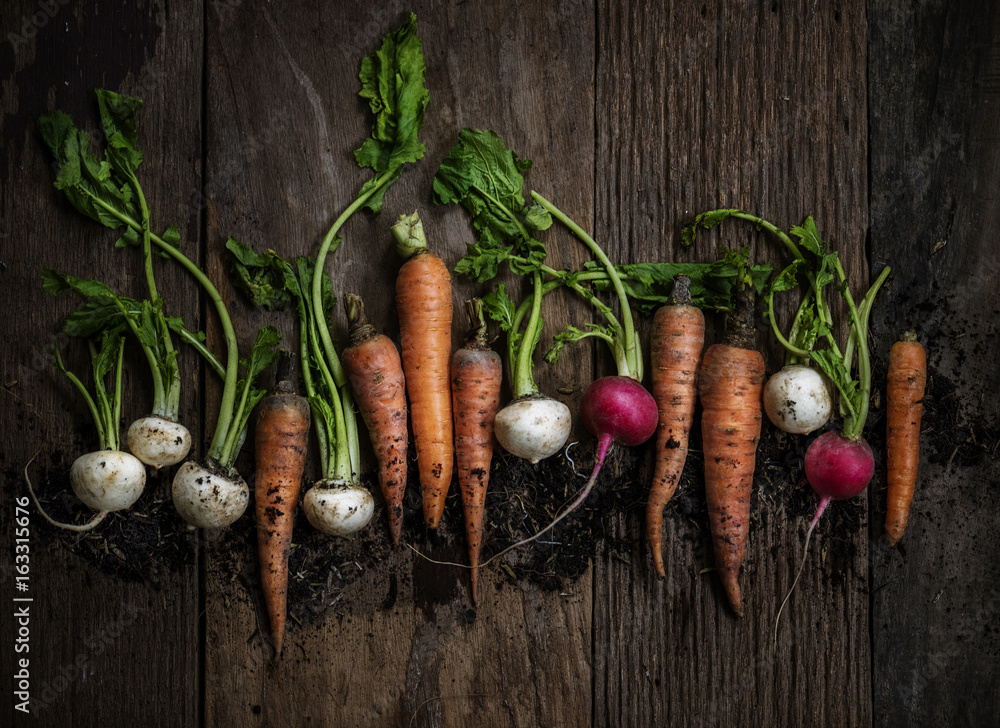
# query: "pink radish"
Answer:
x=615 y=409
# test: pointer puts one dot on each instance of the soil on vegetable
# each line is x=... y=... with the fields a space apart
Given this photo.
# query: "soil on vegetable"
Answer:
x=150 y=541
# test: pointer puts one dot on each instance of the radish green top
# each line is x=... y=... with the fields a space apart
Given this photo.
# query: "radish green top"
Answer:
x=107 y=190
x=819 y=266
x=485 y=177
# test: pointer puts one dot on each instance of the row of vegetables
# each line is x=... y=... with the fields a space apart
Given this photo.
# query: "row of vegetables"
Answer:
x=451 y=401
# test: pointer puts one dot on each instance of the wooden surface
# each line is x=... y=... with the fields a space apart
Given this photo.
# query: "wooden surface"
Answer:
x=883 y=122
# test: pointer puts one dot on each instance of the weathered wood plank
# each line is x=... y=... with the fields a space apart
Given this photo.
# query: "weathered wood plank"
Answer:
x=759 y=106
x=284 y=119
x=101 y=649
x=934 y=96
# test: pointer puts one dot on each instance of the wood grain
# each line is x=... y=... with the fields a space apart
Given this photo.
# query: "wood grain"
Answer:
x=283 y=121
x=935 y=101
x=91 y=654
x=758 y=106
x=878 y=119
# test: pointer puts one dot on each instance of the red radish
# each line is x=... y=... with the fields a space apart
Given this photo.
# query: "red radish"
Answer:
x=615 y=409
x=838 y=467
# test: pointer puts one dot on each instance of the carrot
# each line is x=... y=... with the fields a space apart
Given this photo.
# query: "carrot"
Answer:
x=281 y=436
x=372 y=366
x=476 y=373
x=675 y=354
x=424 y=307
x=732 y=380
x=905 y=392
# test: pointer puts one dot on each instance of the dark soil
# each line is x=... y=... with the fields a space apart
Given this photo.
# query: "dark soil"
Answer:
x=150 y=540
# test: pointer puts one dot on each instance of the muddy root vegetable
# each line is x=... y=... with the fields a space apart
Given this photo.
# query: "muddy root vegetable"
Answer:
x=905 y=392
x=675 y=356
x=476 y=375
x=732 y=378
x=207 y=498
x=533 y=427
x=158 y=441
x=107 y=480
x=424 y=307
x=375 y=373
x=338 y=508
x=281 y=437
x=798 y=400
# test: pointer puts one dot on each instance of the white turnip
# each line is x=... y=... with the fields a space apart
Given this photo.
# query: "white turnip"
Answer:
x=798 y=400
x=533 y=427
x=158 y=441
x=338 y=508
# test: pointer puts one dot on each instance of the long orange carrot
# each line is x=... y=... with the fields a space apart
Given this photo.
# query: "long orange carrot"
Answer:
x=476 y=373
x=424 y=307
x=281 y=437
x=905 y=392
x=372 y=365
x=731 y=383
x=675 y=354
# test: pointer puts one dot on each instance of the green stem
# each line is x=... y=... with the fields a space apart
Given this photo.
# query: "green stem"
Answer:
x=317 y=282
x=793 y=351
x=191 y=340
x=633 y=352
x=117 y=411
x=859 y=319
x=522 y=375
x=171 y=398
x=91 y=404
x=232 y=352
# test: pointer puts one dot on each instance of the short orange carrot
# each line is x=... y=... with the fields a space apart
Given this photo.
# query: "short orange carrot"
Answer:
x=372 y=365
x=905 y=393
x=424 y=307
x=476 y=373
x=675 y=355
x=731 y=384
x=281 y=436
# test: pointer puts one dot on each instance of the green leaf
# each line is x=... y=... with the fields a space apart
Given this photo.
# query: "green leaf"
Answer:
x=482 y=175
x=87 y=181
x=120 y=131
x=706 y=221
x=809 y=236
x=789 y=277
x=571 y=335
x=392 y=79
x=260 y=276
x=501 y=308
x=833 y=367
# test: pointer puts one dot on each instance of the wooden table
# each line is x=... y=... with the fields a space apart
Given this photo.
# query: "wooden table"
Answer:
x=880 y=120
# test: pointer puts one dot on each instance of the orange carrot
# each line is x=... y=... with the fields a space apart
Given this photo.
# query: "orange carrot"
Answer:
x=905 y=392
x=675 y=354
x=476 y=373
x=731 y=384
x=424 y=307
x=281 y=437
x=372 y=365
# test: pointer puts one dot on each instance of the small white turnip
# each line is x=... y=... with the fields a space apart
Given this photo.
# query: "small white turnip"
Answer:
x=797 y=400
x=107 y=480
x=533 y=427
x=338 y=508
x=158 y=442
x=208 y=499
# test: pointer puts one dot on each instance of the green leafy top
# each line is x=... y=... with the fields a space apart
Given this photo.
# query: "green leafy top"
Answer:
x=269 y=281
x=816 y=266
x=104 y=409
x=486 y=178
x=107 y=190
x=392 y=80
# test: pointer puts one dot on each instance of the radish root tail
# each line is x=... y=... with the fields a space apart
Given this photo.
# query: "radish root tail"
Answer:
x=805 y=554
x=79 y=528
